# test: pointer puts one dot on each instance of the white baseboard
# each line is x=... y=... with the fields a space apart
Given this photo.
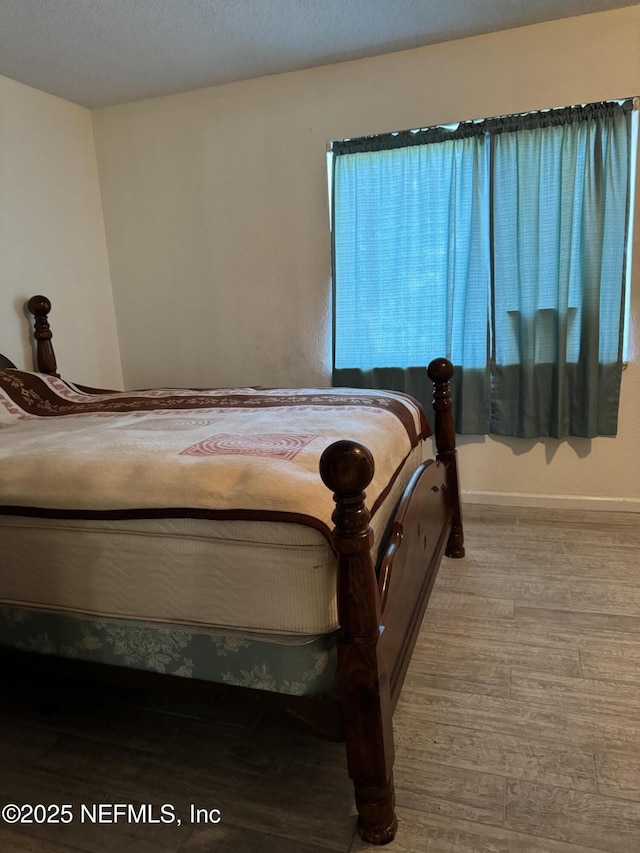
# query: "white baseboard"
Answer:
x=582 y=502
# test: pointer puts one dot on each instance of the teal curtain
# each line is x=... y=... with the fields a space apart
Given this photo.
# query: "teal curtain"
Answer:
x=412 y=269
x=560 y=213
x=499 y=244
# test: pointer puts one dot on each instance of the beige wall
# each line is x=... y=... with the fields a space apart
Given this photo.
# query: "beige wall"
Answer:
x=216 y=219
x=52 y=234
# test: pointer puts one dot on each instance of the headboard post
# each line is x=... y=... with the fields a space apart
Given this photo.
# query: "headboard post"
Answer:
x=40 y=307
x=440 y=373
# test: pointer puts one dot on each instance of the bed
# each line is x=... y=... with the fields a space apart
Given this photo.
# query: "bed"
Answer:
x=220 y=537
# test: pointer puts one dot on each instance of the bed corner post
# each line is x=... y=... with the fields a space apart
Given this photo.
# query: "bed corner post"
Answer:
x=40 y=306
x=346 y=467
x=440 y=372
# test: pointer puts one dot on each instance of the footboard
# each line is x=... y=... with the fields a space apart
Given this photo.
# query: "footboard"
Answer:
x=380 y=620
x=420 y=533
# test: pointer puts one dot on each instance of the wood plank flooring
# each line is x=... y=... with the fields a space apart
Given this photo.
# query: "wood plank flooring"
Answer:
x=518 y=730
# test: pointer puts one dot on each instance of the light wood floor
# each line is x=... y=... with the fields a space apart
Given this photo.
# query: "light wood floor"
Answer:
x=518 y=729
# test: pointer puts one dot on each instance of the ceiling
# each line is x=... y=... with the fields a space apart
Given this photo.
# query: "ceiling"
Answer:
x=101 y=52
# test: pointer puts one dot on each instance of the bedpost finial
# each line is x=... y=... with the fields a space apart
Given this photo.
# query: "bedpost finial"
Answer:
x=45 y=356
x=39 y=306
x=440 y=370
x=346 y=467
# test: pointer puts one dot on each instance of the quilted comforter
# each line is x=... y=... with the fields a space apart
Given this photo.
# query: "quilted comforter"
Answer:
x=246 y=453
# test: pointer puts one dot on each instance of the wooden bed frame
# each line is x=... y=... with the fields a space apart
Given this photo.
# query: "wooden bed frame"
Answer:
x=379 y=617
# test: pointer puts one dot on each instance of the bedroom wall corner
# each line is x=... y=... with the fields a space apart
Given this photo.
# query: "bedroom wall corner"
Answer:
x=52 y=238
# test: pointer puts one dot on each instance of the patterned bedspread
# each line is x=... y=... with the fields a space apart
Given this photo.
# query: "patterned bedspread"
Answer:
x=71 y=451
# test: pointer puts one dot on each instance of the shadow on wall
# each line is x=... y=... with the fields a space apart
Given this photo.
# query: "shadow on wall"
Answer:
x=26 y=326
x=519 y=446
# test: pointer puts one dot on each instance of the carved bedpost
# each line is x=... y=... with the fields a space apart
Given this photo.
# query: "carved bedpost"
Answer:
x=440 y=372
x=346 y=467
x=40 y=306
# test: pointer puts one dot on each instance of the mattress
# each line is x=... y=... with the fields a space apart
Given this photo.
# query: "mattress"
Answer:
x=271 y=578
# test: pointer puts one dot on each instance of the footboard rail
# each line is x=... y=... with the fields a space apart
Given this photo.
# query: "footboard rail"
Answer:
x=409 y=568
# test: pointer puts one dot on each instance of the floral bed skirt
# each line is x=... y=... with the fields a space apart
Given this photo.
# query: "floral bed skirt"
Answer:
x=300 y=669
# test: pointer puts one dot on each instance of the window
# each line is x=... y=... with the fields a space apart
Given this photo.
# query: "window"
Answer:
x=502 y=244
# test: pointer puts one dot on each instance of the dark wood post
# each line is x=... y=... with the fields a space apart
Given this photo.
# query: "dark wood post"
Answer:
x=440 y=372
x=40 y=306
x=346 y=468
